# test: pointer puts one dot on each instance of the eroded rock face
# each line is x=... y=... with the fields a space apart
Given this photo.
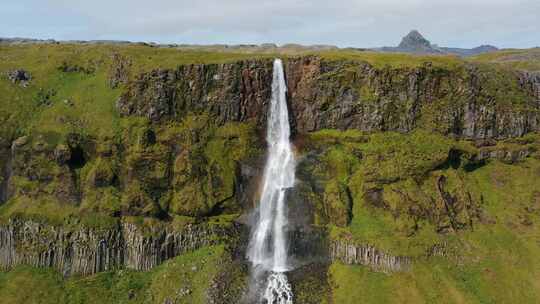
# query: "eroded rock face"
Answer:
x=194 y=170
x=191 y=173
x=508 y=156
x=465 y=102
x=120 y=70
x=36 y=169
x=469 y=101
x=530 y=81
x=88 y=251
x=232 y=92
x=351 y=253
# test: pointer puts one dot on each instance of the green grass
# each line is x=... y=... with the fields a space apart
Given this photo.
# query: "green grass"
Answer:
x=31 y=285
x=92 y=111
x=528 y=59
x=489 y=278
x=494 y=261
x=45 y=209
x=394 y=60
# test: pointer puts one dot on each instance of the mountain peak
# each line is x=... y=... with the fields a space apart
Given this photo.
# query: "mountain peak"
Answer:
x=414 y=41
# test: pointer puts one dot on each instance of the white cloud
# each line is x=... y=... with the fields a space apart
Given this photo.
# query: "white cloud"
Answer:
x=507 y=23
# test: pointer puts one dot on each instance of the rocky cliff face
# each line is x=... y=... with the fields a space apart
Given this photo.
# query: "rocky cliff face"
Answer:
x=353 y=254
x=530 y=81
x=88 y=251
x=85 y=251
x=232 y=92
x=469 y=101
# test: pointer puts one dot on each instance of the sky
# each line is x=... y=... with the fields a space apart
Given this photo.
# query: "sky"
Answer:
x=345 y=23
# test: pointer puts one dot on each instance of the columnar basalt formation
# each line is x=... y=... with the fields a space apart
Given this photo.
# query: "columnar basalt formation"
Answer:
x=88 y=251
x=530 y=81
x=354 y=254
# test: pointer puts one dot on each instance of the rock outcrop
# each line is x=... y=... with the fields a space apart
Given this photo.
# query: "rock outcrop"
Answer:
x=468 y=102
x=88 y=251
x=415 y=43
x=139 y=174
x=232 y=92
x=19 y=76
x=351 y=253
x=530 y=81
x=505 y=155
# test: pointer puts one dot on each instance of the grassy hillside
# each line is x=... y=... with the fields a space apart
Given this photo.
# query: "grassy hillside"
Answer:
x=483 y=250
x=69 y=89
x=528 y=59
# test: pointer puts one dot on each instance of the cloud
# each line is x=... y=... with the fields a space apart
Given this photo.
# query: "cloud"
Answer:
x=507 y=23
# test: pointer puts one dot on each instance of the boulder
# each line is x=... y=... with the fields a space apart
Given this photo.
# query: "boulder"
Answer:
x=19 y=76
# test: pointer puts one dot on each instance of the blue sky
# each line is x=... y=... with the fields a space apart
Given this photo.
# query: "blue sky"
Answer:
x=366 y=23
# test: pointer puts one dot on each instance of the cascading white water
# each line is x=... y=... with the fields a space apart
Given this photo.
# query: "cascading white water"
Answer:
x=267 y=249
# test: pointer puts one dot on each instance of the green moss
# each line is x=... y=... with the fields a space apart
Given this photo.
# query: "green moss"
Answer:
x=393 y=156
x=489 y=276
x=393 y=180
x=101 y=172
x=93 y=220
x=45 y=208
x=136 y=201
x=337 y=203
x=205 y=170
x=40 y=286
x=105 y=200
x=396 y=60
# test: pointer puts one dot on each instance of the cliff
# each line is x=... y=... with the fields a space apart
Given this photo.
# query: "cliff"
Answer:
x=468 y=101
x=146 y=159
x=86 y=251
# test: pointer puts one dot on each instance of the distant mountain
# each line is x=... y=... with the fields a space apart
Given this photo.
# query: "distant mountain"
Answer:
x=415 y=43
x=470 y=52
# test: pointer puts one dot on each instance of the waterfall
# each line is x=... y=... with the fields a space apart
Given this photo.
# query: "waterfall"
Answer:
x=267 y=250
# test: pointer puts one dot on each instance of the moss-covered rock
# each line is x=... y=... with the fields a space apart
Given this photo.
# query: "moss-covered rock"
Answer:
x=337 y=203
